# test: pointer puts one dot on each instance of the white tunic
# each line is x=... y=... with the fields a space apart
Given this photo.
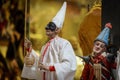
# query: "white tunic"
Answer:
x=59 y=54
x=118 y=66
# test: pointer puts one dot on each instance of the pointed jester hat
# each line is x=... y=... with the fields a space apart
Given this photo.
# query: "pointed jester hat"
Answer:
x=104 y=35
x=58 y=20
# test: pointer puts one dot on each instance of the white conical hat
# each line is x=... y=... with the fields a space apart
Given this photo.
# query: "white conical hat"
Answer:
x=59 y=18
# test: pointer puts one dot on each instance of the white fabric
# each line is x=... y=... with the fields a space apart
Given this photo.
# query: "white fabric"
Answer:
x=30 y=72
x=118 y=65
x=61 y=55
x=59 y=18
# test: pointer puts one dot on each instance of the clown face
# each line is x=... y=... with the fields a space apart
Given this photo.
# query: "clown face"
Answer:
x=99 y=47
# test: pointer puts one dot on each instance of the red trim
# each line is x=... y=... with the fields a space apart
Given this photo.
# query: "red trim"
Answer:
x=51 y=68
x=29 y=49
x=45 y=50
x=43 y=75
x=44 y=55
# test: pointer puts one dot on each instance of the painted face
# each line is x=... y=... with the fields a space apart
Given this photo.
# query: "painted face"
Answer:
x=99 y=47
x=50 y=34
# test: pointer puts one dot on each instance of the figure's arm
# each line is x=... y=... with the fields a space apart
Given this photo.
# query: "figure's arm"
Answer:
x=67 y=62
x=111 y=58
x=47 y=68
x=31 y=57
x=118 y=58
x=30 y=62
x=118 y=64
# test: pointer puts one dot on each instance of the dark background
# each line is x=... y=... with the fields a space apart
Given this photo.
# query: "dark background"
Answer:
x=111 y=13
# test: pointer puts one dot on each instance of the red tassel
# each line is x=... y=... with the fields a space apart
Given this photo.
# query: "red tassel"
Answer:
x=108 y=25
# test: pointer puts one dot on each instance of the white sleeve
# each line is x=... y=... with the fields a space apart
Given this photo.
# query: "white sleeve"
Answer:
x=65 y=69
x=118 y=65
x=30 y=72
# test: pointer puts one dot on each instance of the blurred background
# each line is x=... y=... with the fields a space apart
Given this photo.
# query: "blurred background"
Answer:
x=28 y=18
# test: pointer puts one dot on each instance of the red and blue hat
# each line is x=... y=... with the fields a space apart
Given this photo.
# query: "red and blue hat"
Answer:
x=104 y=35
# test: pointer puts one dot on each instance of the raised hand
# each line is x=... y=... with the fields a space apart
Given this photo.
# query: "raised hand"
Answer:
x=28 y=45
x=29 y=59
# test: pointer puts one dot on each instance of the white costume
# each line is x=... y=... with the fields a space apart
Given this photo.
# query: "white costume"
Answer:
x=59 y=54
x=118 y=65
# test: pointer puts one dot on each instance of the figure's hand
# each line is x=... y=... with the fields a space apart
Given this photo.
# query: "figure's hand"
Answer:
x=28 y=45
x=43 y=67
